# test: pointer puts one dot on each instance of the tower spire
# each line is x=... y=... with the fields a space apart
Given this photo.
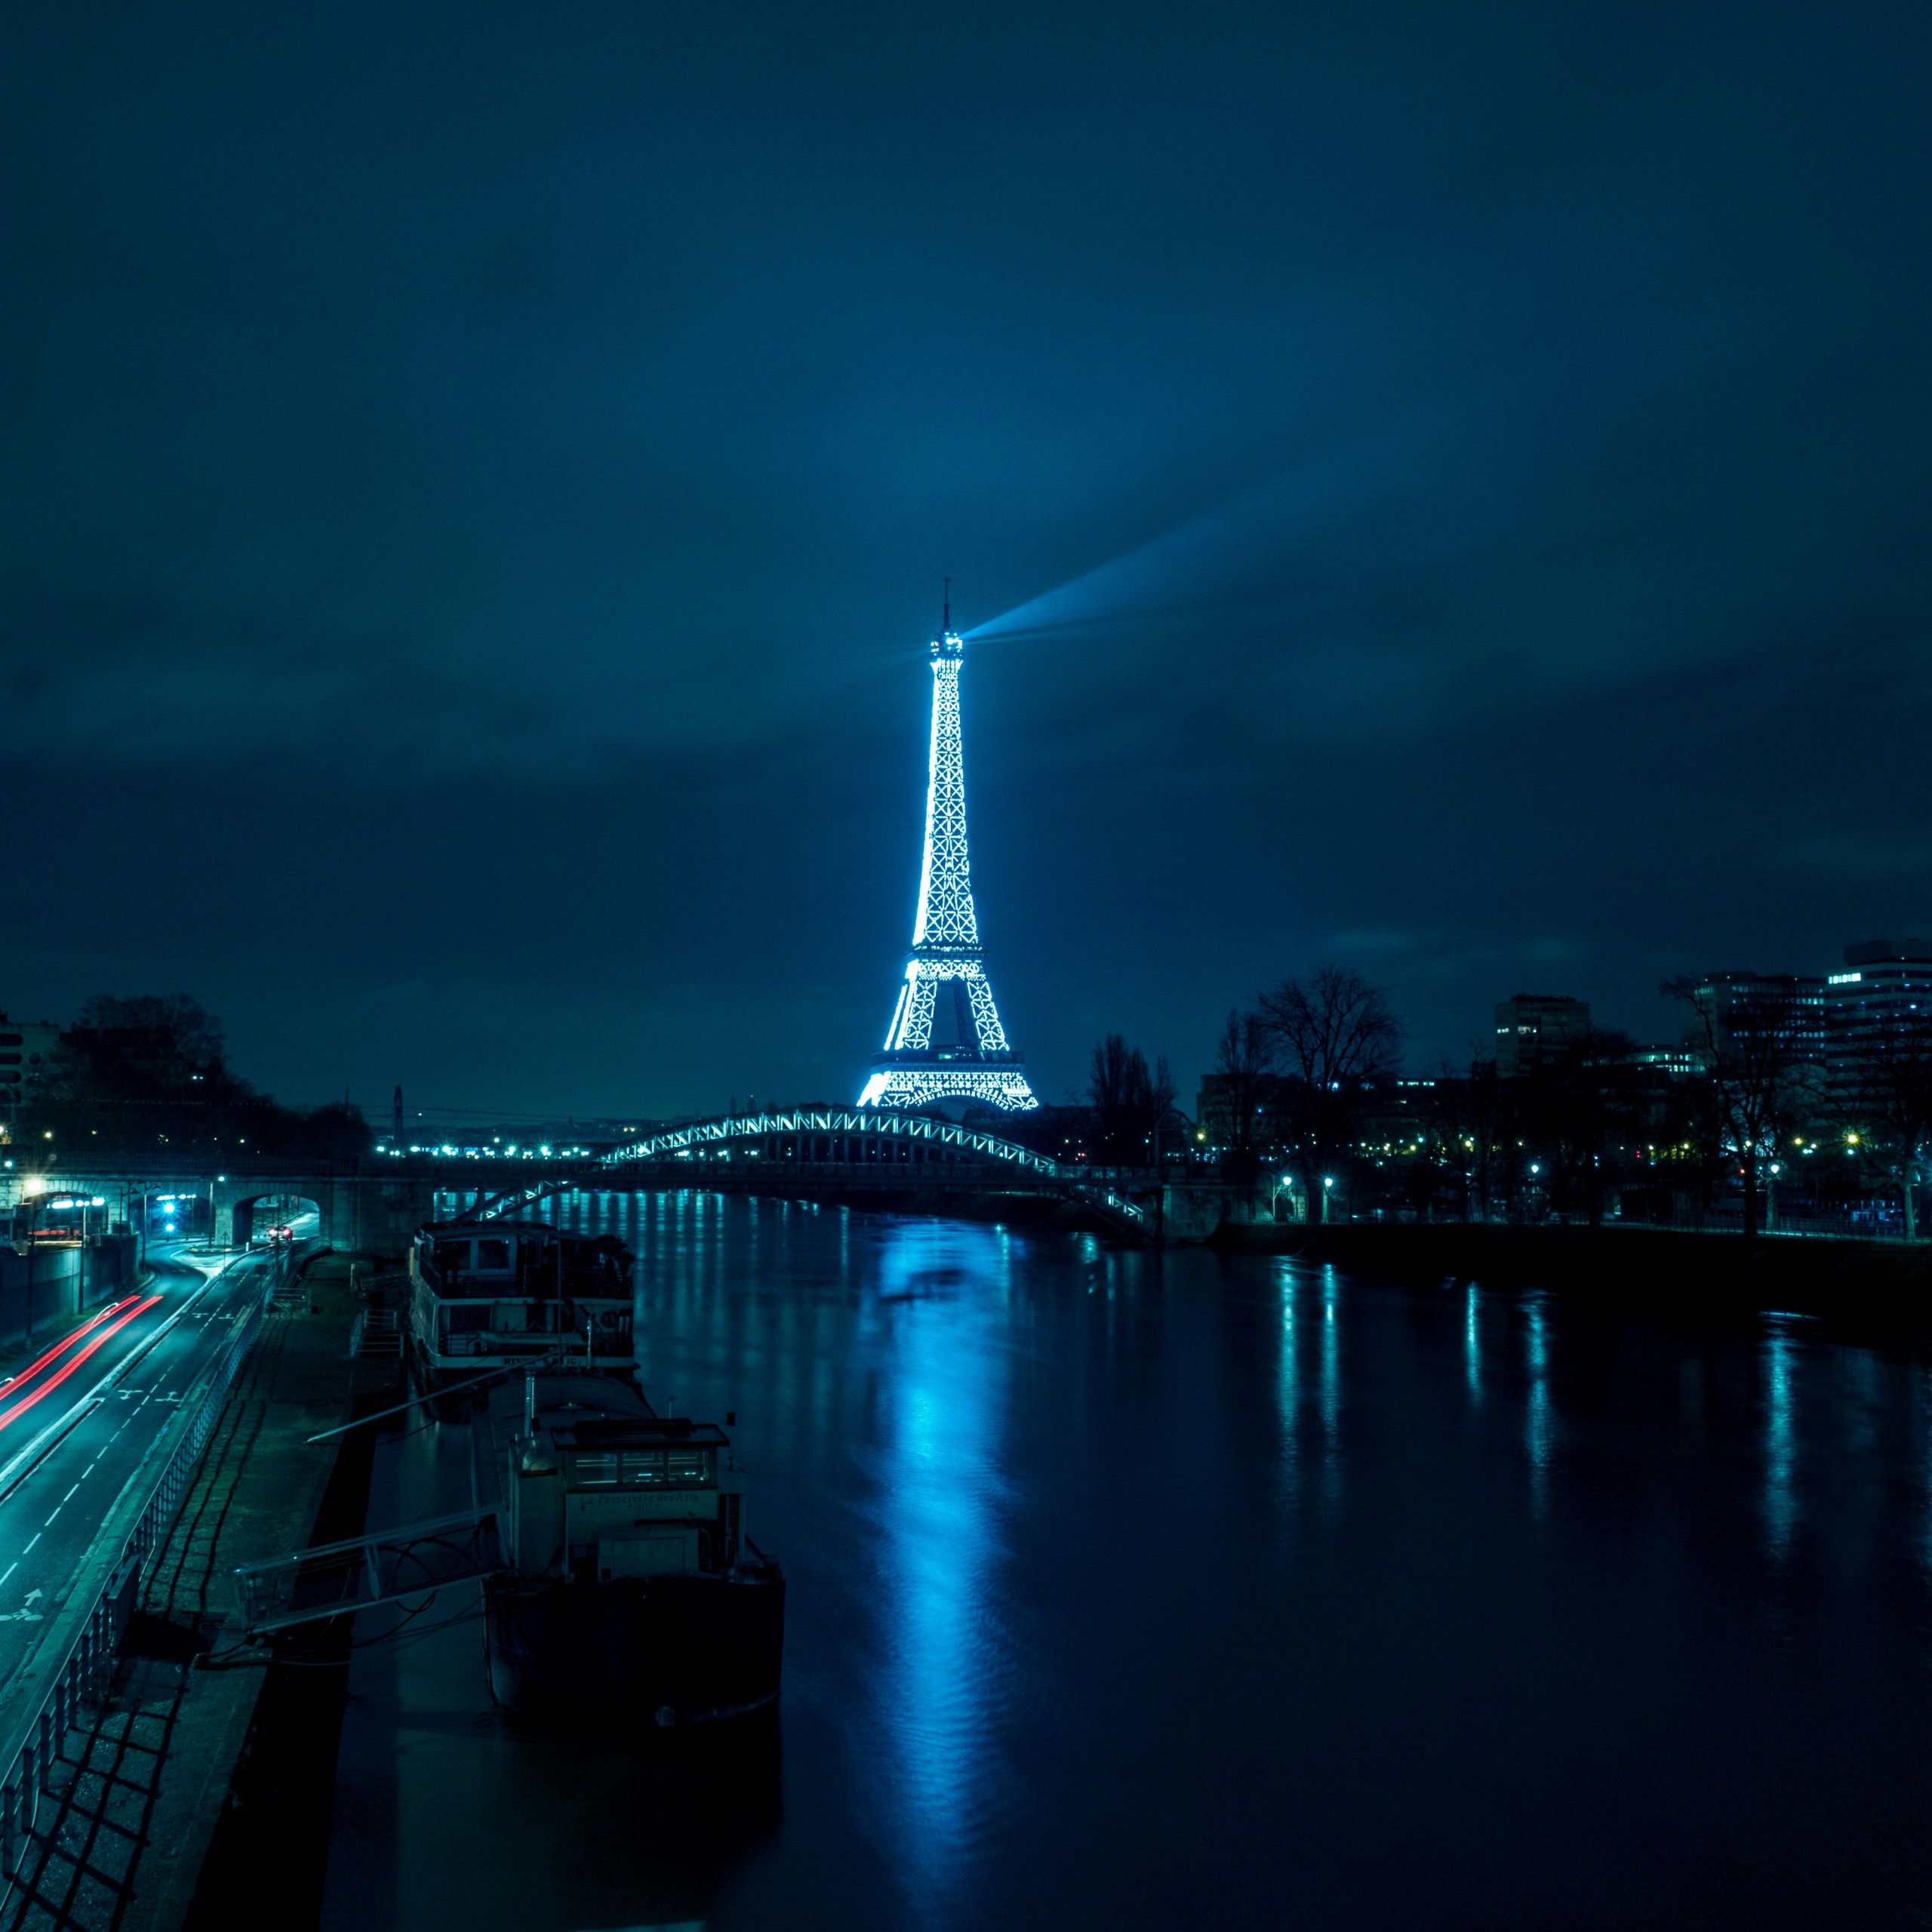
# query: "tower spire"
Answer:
x=977 y=1063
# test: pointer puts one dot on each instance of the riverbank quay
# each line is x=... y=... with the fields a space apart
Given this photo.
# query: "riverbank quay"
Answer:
x=190 y=1752
x=1880 y=1289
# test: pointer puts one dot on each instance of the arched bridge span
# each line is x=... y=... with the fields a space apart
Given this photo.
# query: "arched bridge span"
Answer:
x=802 y=1151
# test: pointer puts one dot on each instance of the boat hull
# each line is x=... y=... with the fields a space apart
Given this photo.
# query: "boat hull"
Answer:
x=651 y=1651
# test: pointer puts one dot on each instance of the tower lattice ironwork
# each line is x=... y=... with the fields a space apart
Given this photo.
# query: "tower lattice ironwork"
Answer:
x=978 y=1063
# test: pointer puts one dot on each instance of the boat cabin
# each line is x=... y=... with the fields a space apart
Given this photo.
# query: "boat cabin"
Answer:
x=601 y=1496
x=491 y=1294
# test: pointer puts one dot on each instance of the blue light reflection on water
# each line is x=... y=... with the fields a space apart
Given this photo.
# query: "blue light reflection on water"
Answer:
x=1539 y=1424
x=940 y=1500
x=1331 y=1392
x=1780 y=1504
x=1288 y=1395
x=1151 y=1590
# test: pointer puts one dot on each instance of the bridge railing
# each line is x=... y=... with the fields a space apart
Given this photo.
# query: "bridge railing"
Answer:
x=90 y=1632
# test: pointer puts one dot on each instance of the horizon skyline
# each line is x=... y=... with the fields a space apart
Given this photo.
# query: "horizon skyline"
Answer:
x=1447 y=499
x=1407 y=1067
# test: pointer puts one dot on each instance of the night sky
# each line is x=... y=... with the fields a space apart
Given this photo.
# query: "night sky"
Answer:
x=1445 y=488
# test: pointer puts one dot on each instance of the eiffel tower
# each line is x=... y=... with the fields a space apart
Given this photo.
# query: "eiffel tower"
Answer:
x=975 y=1063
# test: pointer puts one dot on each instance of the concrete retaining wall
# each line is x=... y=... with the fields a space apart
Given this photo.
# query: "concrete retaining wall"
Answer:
x=44 y=1289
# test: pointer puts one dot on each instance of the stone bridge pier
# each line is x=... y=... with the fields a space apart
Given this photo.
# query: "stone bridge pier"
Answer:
x=375 y=1212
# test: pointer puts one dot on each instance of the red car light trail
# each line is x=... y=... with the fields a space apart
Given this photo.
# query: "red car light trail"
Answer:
x=66 y=1369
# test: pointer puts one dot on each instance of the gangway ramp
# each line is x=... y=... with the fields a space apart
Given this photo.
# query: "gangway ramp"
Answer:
x=335 y=1578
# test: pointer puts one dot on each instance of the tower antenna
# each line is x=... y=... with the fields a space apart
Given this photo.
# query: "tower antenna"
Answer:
x=946 y=621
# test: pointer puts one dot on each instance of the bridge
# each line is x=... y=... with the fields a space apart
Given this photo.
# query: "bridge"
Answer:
x=371 y=1204
x=884 y=1158
x=881 y=1157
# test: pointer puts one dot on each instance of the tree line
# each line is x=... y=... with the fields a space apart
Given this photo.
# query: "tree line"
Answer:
x=1306 y=1082
x=151 y=1072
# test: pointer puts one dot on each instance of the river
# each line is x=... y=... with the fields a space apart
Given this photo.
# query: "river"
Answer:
x=1164 y=1590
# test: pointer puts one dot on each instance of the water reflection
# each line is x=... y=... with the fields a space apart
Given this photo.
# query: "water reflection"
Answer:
x=1331 y=1393
x=1032 y=1679
x=943 y=1491
x=1287 y=1394
x=1925 y=1468
x=1539 y=1424
x=1780 y=1506
x=1471 y=1345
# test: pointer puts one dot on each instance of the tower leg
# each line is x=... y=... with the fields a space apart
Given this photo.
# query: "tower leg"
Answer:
x=915 y=1025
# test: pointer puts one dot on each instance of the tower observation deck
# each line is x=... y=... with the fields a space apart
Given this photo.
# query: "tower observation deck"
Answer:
x=924 y=1060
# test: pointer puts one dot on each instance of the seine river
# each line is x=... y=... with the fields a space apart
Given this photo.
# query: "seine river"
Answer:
x=1133 y=1590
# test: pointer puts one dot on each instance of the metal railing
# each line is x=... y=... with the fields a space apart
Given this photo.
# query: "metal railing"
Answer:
x=612 y=1345
x=34 y=1743
x=335 y=1578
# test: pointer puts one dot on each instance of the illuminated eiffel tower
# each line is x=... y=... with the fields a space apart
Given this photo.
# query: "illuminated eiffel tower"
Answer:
x=975 y=1063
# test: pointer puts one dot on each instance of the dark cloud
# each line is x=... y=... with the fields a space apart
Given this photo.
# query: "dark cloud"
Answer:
x=1444 y=486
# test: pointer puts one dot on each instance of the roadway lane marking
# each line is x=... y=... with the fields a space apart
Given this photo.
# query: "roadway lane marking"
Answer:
x=66 y=1342
x=10 y=1569
x=36 y=1538
x=57 y=1508
x=70 y=1495
x=93 y=1347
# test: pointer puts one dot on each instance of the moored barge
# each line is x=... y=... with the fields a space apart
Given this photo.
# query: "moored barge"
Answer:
x=632 y=1595
x=493 y=1295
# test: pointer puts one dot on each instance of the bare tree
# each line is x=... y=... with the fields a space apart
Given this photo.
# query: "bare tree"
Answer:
x=1244 y=1060
x=1129 y=1102
x=1160 y=1107
x=1576 y=1101
x=1895 y=1098
x=1332 y=1033
x=1471 y=1118
x=1750 y=1082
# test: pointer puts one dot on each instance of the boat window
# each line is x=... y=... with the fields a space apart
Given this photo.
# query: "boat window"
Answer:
x=451 y=1256
x=687 y=1466
x=492 y=1257
x=596 y=1465
x=643 y=1465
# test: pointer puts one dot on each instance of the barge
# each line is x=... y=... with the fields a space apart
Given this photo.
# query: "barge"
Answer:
x=631 y=1594
x=495 y=1295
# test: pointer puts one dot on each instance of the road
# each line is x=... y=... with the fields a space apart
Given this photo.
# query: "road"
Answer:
x=78 y=1417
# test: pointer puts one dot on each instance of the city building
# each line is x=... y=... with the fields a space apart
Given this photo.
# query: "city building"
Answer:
x=1218 y=1103
x=1884 y=996
x=27 y=1049
x=1676 y=1061
x=1792 y=1004
x=1533 y=1029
